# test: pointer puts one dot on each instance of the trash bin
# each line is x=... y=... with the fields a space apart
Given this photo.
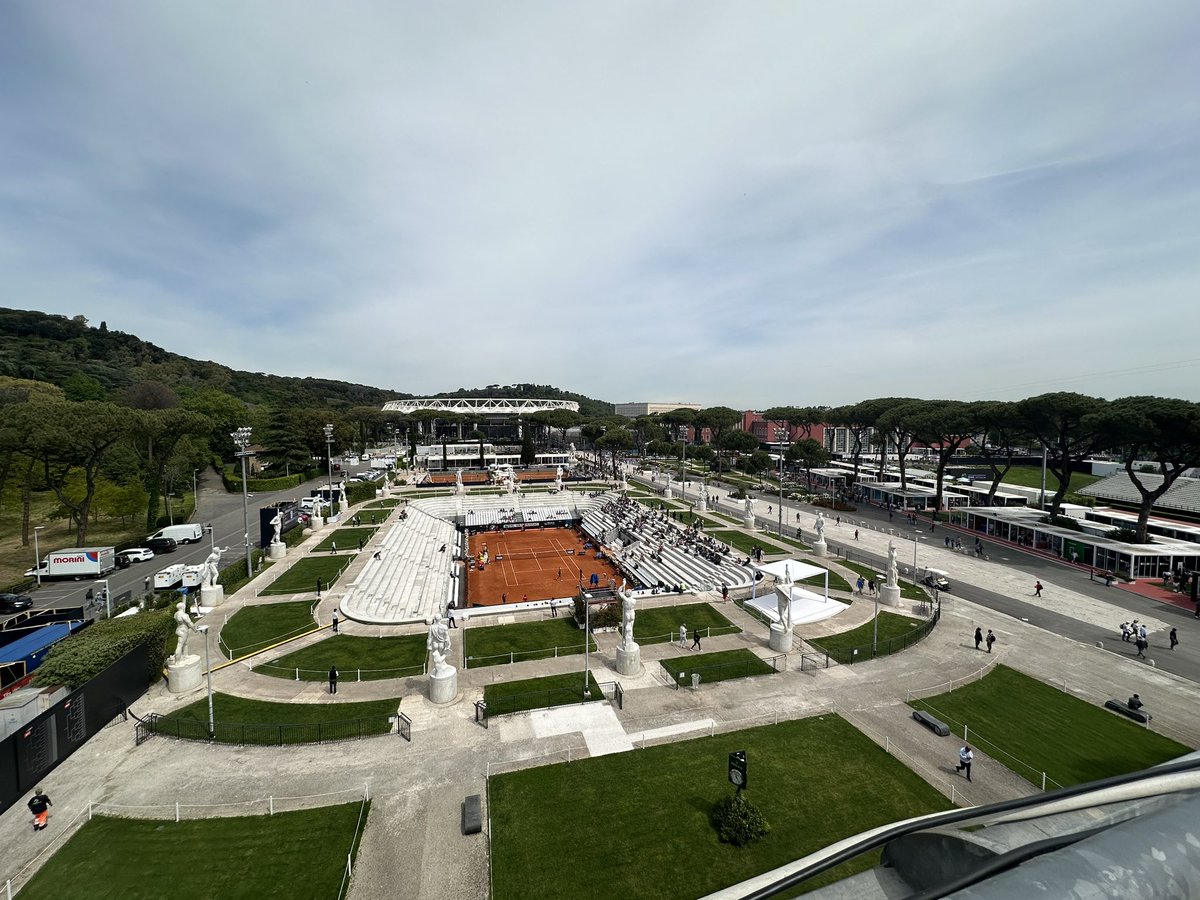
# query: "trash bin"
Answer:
x=695 y=681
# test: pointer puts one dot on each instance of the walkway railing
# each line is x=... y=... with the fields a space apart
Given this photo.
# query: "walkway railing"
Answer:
x=850 y=655
x=298 y=674
x=515 y=656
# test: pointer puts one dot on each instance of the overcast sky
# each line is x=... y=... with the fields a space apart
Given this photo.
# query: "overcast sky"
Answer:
x=739 y=204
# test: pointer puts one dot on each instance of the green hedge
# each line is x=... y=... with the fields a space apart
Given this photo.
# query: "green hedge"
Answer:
x=87 y=653
x=361 y=491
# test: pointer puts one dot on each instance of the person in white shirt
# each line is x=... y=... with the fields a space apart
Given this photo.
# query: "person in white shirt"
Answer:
x=965 y=756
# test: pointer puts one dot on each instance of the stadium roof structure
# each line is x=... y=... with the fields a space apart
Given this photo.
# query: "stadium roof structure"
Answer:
x=1183 y=495
x=479 y=406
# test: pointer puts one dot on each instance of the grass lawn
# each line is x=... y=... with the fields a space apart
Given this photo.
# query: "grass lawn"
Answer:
x=890 y=626
x=746 y=543
x=301 y=717
x=659 y=624
x=302 y=577
x=347 y=538
x=290 y=855
x=1042 y=729
x=721 y=666
x=254 y=627
x=538 y=693
x=649 y=836
x=368 y=657
x=390 y=503
x=792 y=542
x=1031 y=476
x=907 y=590
x=491 y=645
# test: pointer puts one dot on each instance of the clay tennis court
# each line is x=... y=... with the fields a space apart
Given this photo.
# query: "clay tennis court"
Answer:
x=526 y=565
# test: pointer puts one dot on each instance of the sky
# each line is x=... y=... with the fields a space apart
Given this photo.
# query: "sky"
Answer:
x=723 y=203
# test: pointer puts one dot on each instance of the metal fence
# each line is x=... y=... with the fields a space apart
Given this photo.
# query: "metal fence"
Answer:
x=298 y=674
x=515 y=656
x=243 y=733
x=849 y=655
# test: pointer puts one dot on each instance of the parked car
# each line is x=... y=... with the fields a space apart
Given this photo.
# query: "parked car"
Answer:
x=134 y=554
x=162 y=544
x=11 y=603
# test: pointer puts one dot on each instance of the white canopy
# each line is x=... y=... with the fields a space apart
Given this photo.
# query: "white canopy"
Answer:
x=794 y=567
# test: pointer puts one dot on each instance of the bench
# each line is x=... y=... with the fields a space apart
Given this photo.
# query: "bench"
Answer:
x=937 y=726
x=1138 y=715
x=472 y=815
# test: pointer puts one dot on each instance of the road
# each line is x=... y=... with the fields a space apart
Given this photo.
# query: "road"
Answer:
x=215 y=506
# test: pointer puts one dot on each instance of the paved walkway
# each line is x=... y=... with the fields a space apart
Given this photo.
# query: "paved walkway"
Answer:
x=412 y=845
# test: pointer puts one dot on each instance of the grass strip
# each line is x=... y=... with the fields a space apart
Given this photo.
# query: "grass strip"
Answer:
x=507 y=697
x=356 y=658
x=493 y=645
x=723 y=665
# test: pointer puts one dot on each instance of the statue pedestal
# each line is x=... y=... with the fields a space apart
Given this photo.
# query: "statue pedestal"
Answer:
x=277 y=550
x=211 y=596
x=781 y=638
x=443 y=688
x=748 y=520
x=889 y=595
x=183 y=675
x=702 y=504
x=820 y=548
x=315 y=522
x=629 y=660
x=668 y=494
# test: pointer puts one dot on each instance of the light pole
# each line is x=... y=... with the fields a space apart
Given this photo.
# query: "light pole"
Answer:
x=37 y=555
x=916 y=540
x=203 y=629
x=780 y=435
x=329 y=463
x=587 y=640
x=195 y=496
x=241 y=439
x=875 y=636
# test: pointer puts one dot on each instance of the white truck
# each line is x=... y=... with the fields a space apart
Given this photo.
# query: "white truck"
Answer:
x=192 y=576
x=169 y=577
x=191 y=533
x=77 y=563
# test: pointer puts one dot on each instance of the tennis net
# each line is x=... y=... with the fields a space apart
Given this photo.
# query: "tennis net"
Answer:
x=534 y=554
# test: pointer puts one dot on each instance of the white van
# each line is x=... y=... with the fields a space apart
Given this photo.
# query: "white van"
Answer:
x=191 y=533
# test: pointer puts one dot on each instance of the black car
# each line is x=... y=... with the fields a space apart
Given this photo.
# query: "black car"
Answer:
x=11 y=603
x=162 y=544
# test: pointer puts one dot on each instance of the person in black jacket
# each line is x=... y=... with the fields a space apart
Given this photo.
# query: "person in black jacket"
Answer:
x=333 y=679
x=39 y=805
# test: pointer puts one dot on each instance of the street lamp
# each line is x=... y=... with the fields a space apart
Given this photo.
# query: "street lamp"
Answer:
x=916 y=540
x=37 y=556
x=329 y=463
x=241 y=439
x=195 y=496
x=203 y=629
x=780 y=436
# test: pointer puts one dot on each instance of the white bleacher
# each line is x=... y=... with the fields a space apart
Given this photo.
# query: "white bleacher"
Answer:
x=411 y=580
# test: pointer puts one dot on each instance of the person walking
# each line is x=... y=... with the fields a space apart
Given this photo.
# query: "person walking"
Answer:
x=450 y=623
x=146 y=584
x=1174 y=638
x=965 y=758
x=859 y=585
x=871 y=586
x=682 y=636
x=978 y=638
x=1141 y=645
x=724 y=593
x=991 y=639
x=1126 y=631
x=39 y=805
x=696 y=639
x=1037 y=589
x=333 y=546
x=333 y=675
x=856 y=534
x=335 y=623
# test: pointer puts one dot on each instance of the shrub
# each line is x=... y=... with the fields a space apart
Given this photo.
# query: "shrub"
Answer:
x=1126 y=536
x=85 y=654
x=360 y=492
x=1062 y=522
x=234 y=575
x=738 y=821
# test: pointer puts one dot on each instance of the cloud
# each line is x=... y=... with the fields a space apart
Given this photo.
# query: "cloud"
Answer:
x=750 y=206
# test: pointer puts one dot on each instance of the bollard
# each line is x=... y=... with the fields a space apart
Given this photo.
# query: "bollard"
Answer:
x=270 y=806
x=177 y=811
x=965 y=741
x=297 y=673
x=1043 y=782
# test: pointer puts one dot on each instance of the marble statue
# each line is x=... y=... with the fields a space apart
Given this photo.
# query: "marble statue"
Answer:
x=342 y=504
x=558 y=474
x=820 y=525
x=749 y=506
x=572 y=451
x=458 y=478
x=627 y=615
x=440 y=667
x=184 y=626
x=276 y=527
x=439 y=638
x=783 y=599
x=212 y=564
x=893 y=577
